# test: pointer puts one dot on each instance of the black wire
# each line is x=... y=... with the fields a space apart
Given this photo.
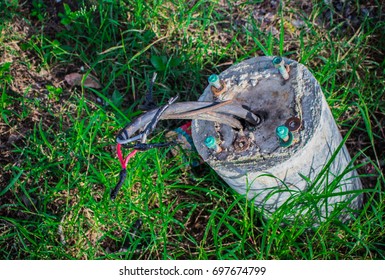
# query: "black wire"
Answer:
x=123 y=172
x=148 y=146
x=149 y=103
x=152 y=124
x=122 y=177
x=135 y=228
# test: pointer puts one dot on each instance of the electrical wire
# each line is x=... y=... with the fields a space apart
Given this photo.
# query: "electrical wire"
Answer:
x=149 y=103
x=227 y=112
x=123 y=171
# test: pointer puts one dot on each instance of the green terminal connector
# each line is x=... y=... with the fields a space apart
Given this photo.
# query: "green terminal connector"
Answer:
x=284 y=135
x=211 y=143
x=280 y=64
x=214 y=81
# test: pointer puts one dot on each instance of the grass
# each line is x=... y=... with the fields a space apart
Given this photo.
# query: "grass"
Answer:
x=57 y=142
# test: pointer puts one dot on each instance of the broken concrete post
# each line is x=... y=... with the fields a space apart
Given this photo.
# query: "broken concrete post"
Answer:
x=265 y=166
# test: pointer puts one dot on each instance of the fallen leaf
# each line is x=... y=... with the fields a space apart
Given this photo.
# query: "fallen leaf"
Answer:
x=75 y=79
x=92 y=82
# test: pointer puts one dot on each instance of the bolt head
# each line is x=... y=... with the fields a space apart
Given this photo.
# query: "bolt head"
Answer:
x=277 y=60
x=282 y=131
x=210 y=142
x=213 y=78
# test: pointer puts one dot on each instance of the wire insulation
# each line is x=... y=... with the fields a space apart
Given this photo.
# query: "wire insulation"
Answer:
x=226 y=112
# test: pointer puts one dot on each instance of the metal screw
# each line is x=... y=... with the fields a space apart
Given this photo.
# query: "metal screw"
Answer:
x=284 y=135
x=282 y=132
x=214 y=81
x=280 y=64
x=211 y=143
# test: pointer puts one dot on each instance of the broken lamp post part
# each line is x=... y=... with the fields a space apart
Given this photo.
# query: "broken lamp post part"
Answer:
x=264 y=126
x=296 y=139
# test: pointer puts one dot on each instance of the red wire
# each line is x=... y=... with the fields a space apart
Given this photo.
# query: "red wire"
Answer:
x=123 y=162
